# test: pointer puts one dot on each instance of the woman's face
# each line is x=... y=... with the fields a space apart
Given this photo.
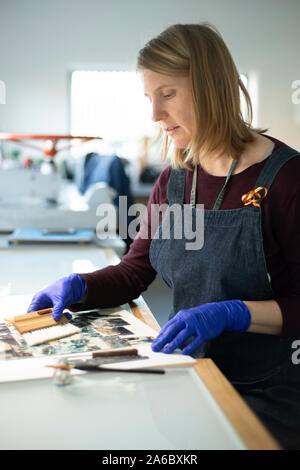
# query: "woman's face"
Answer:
x=172 y=105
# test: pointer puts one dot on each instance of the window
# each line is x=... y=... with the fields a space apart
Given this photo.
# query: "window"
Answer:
x=110 y=105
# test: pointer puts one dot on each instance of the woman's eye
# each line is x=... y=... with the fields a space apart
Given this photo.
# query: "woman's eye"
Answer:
x=168 y=95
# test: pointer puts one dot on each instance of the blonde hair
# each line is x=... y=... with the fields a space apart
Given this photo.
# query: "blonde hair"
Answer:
x=198 y=51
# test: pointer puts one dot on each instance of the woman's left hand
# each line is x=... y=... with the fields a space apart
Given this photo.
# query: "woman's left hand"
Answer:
x=203 y=323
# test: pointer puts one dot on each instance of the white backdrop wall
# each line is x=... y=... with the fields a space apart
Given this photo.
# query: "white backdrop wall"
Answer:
x=42 y=40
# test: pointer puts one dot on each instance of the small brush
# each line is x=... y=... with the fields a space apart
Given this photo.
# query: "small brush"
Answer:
x=40 y=327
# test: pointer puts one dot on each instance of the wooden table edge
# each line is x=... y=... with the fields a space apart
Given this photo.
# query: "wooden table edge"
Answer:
x=248 y=426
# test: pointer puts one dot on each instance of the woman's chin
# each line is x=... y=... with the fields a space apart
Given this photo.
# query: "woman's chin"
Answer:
x=180 y=145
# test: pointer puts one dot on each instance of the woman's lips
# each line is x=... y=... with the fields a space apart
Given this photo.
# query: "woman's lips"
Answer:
x=171 y=130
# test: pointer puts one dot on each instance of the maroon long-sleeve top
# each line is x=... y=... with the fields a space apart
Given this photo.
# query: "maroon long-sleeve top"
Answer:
x=118 y=284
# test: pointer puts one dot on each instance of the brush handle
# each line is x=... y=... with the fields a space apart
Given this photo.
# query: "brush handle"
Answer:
x=36 y=320
x=117 y=352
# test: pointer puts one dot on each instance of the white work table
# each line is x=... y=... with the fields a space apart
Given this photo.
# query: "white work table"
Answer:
x=186 y=408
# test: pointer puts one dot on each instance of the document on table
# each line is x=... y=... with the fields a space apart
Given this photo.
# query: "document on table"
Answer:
x=102 y=329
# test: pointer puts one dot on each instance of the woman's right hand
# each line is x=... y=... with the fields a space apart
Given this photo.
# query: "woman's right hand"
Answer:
x=59 y=295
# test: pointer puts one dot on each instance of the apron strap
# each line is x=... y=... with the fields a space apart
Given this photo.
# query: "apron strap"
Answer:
x=194 y=188
x=176 y=186
x=219 y=200
x=273 y=165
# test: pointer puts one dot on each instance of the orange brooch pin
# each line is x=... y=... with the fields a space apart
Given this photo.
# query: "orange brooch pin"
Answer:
x=254 y=196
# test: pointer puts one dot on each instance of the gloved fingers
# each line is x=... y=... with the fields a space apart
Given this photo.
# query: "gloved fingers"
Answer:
x=34 y=306
x=180 y=338
x=168 y=332
x=42 y=304
x=168 y=324
x=68 y=315
x=192 y=346
x=164 y=329
x=39 y=302
x=57 y=311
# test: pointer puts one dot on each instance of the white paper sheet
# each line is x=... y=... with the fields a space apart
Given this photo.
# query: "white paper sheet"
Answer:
x=155 y=359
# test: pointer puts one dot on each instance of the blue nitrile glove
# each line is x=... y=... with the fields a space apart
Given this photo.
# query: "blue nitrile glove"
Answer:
x=203 y=323
x=59 y=295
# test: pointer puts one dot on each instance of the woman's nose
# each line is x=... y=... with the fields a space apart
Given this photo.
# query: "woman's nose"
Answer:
x=158 y=113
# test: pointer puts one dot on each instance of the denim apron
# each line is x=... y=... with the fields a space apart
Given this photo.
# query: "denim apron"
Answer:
x=230 y=265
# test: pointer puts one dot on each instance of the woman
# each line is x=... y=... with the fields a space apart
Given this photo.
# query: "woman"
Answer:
x=237 y=299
